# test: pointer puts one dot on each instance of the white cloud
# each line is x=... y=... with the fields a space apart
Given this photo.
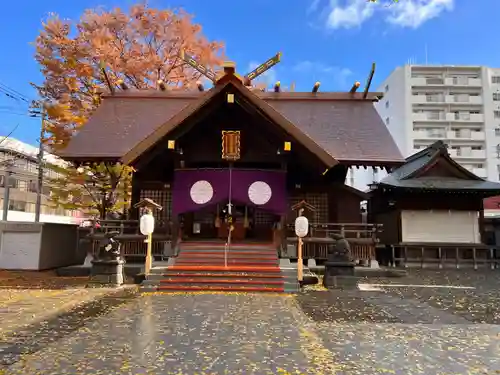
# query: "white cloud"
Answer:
x=414 y=13
x=405 y=13
x=353 y=14
x=313 y=6
x=319 y=71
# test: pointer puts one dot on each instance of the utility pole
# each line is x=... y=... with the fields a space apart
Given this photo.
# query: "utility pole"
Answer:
x=38 y=204
x=6 y=190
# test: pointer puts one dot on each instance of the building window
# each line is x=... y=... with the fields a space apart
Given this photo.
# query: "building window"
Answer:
x=17 y=206
x=22 y=185
x=387 y=120
x=387 y=104
x=386 y=88
x=496 y=114
x=32 y=186
x=495 y=79
x=496 y=96
x=497 y=132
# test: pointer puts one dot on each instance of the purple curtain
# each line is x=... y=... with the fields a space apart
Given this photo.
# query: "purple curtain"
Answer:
x=198 y=188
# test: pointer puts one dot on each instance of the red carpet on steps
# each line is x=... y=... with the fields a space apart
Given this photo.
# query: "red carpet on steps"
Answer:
x=201 y=267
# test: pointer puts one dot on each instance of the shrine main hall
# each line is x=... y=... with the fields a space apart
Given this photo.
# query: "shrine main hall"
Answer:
x=232 y=147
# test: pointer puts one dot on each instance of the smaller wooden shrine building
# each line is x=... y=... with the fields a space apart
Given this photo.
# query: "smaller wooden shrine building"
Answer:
x=430 y=199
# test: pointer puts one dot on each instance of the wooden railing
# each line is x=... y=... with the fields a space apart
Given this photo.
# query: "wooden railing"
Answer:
x=439 y=255
x=362 y=237
x=132 y=241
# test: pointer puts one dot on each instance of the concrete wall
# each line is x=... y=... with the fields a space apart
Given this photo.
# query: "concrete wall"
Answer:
x=59 y=246
x=44 y=218
x=38 y=246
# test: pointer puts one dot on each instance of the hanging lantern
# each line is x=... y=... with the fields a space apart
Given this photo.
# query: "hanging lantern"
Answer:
x=147 y=224
x=301 y=226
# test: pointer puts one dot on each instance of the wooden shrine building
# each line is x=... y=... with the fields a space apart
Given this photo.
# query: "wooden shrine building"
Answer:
x=195 y=152
x=431 y=203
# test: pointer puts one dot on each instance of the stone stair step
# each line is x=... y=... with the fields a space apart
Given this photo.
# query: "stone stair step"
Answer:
x=229 y=253
x=221 y=262
x=225 y=274
x=218 y=281
x=214 y=274
x=230 y=268
x=221 y=288
x=221 y=248
x=229 y=256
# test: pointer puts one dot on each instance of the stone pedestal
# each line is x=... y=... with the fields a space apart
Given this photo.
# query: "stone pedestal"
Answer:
x=109 y=272
x=339 y=272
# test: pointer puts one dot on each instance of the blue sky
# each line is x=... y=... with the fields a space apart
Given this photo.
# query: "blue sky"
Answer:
x=332 y=41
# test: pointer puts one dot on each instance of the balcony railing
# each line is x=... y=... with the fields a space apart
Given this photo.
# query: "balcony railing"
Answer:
x=441 y=116
x=463 y=81
x=425 y=134
x=463 y=98
x=481 y=172
x=472 y=154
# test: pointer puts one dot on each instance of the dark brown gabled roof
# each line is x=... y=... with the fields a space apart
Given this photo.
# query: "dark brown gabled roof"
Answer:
x=196 y=105
x=347 y=128
x=413 y=175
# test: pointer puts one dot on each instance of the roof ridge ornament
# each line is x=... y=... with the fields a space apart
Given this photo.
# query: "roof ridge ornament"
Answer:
x=369 y=81
x=262 y=68
x=188 y=59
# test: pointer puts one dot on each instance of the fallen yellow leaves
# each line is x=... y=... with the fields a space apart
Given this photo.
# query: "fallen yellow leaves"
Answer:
x=176 y=293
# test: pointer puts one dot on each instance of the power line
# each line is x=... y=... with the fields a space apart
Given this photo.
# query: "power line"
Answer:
x=12 y=93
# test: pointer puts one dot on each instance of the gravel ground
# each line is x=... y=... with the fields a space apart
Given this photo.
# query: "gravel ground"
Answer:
x=414 y=329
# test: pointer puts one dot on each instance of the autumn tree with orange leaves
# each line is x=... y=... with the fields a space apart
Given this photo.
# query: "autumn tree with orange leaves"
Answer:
x=138 y=47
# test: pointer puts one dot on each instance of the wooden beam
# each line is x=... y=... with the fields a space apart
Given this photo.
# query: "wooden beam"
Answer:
x=197 y=66
x=354 y=87
x=369 y=81
x=262 y=68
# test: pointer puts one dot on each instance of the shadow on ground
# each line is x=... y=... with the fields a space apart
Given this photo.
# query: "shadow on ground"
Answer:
x=37 y=336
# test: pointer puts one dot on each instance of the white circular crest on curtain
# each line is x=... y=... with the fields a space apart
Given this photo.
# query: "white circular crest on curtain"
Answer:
x=259 y=193
x=201 y=192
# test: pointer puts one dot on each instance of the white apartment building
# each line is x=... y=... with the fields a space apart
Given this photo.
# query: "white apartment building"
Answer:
x=457 y=104
x=23 y=184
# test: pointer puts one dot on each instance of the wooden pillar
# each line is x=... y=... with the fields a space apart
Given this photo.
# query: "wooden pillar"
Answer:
x=482 y=233
x=136 y=197
x=282 y=235
x=175 y=233
x=283 y=218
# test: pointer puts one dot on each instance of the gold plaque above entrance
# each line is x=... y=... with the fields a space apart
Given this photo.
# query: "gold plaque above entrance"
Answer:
x=230 y=145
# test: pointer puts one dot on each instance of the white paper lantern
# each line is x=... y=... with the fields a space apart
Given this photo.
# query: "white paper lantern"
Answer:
x=301 y=226
x=147 y=225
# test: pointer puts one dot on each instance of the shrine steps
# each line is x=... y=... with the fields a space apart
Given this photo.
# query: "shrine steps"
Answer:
x=221 y=279
x=220 y=246
x=249 y=268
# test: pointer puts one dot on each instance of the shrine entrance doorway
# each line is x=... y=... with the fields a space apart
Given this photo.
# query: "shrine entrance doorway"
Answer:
x=204 y=199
